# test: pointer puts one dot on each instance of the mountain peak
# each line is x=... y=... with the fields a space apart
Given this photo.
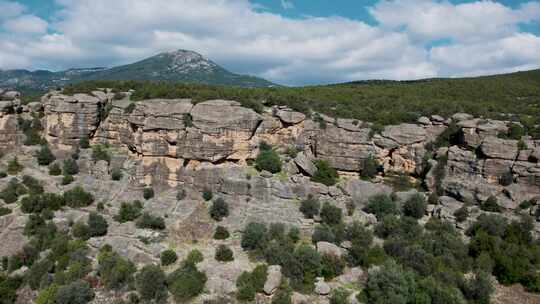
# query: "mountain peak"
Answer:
x=185 y=61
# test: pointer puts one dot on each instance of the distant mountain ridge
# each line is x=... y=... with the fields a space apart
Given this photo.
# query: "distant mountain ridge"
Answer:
x=175 y=66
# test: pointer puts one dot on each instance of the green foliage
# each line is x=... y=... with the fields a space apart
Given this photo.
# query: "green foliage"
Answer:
x=515 y=131
x=81 y=230
x=149 y=221
x=150 y=283
x=116 y=174
x=491 y=205
x=14 y=167
x=381 y=205
x=10 y=194
x=415 y=206
x=54 y=169
x=219 y=209
x=99 y=152
x=33 y=186
x=148 y=193
x=129 y=211
x=194 y=257
x=310 y=207
x=44 y=156
x=186 y=282
x=449 y=137
x=67 y=179
x=253 y=236
x=168 y=257
x=249 y=283
x=331 y=266
x=268 y=159
x=207 y=195
x=368 y=168
x=224 y=254
x=97 y=225
x=325 y=174
x=31 y=130
x=339 y=296
x=84 y=142
x=390 y=284
x=8 y=288
x=461 y=214
x=479 y=288
x=78 y=292
x=70 y=167
x=77 y=198
x=331 y=215
x=114 y=271
x=4 y=211
x=47 y=295
x=221 y=233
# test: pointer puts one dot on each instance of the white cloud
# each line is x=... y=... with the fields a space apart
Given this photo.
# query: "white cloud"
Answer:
x=235 y=33
x=28 y=24
x=287 y=4
x=9 y=9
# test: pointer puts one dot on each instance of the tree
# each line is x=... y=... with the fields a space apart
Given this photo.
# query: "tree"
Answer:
x=390 y=284
x=332 y=266
x=381 y=205
x=129 y=211
x=70 y=167
x=168 y=257
x=114 y=271
x=97 y=225
x=325 y=174
x=78 y=292
x=54 y=170
x=491 y=205
x=116 y=174
x=148 y=193
x=224 y=254
x=186 y=282
x=150 y=283
x=479 y=288
x=219 y=209
x=310 y=207
x=331 y=215
x=77 y=197
x=339 y=296
x=207 y=195
x=369 y=167
x=268 y=159
x=44 y=156
x=149 y=221
x=253 y=236
x=415 y=206
x=461 y=214
x=221 y=233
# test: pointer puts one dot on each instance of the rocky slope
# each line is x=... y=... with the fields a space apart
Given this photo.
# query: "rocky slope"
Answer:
x=210 y=146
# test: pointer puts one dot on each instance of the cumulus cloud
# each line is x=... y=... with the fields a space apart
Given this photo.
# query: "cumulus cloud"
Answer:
x=27 y=24
x=234 y=33
x=10 y=9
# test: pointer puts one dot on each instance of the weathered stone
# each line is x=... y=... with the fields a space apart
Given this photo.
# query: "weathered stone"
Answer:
x=462 y=116
x=494 y=147
x=361 y=190
x=273 y=279
x=325 y=248
x=289 y=116
x=305 y=163
x=424 y=120
x=321 y=287
x=405 y=134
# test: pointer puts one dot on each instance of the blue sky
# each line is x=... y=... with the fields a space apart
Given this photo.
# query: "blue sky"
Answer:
x=292 y=42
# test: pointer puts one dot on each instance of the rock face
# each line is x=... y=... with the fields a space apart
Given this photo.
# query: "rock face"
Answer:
x=273 y=279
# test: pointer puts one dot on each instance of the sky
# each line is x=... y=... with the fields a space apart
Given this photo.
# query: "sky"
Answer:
x=291 y=42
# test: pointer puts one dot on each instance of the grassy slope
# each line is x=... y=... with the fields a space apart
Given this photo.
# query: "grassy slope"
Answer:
x=382 y=102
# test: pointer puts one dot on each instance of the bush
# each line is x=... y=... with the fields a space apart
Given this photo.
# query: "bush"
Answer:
x=67 y=179
x=323 y=233
x=221 y=233
x=97 y=225
x=70 y=167
x=150 y=283
x=253 y=236
x=54 y=170
x=8 y=288
x=149 y=221
x=461 y=214
x=100 y=153
x=47 y=295
x=310 y=207
x=207 y=195
x=44 y=156
x=80 y=230
x=491 y=205
x=33 y=185
x=77 y=197
x=194 y=257
x=219 y=209
x=249 y=283
x=294 y=234
x=186 y=282
x=330 y=214
x=325 y=174
x=78 y=292
x=4 y=211
x=268 y=159
x=224 y=254
x=116 y=174
x=10 y=194
x=390 y=284
x=339 y=296
x=114 y=271
x=14 y=167
x=148 y=193
x=381 y=205
x=168 y=257
x=129 y=211
x=369 y=168
x=479 y=288
x=181 y=194
x=304 y=268
x=84 y=142
x=415 y=206
x=332 y=266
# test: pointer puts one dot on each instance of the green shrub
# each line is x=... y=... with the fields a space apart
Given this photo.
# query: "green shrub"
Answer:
x=479 y=288
x=194 y=257
x=10 y=194
x=461 y=214
x=282 y=295
x=325 y=174
x=150 y=283
x=207 y=195
x=219 y=209
x=70 y=167
x=32 y=184
x=4 y=211
x=368 y=168
x=148 y=193
x=36 y=272
x=339 y=296
x=390 y=284
x=515 y=131
x=268 y=159
x=181 y=194
x=381 y=205
x=310 y=207
x=81 y=230
x=491 y=205
x=332 y=266
x=221 y=233
x=249 y=283
x=97 y=225
x=186 y=283
x=116 y=174
x=3 y=174
x=100 y=153
x=188 y=120
x=168 y=257
x=78 y=292
x=304 y=268
x=14 y=167
x=77 y=197
x=224 y=254
x=149 y=221
x=54 y=169
x=129 y=211
x=294 y=234
x=47 y=295
x=67 y=179
x=84 y=142
x=44 y=156
x=114 y=271
x=323 y=233
x=8 y=288
x=415 y=206
x=253 y=236
x=331 y=215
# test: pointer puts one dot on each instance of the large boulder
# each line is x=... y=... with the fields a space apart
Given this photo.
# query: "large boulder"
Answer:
x=494 y=147
x=289 y=116
x=405 y=134
x=305 y=163
x=325 y=248
x=273 y=279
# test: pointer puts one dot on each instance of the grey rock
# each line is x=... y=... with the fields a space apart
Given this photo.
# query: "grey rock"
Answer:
x=273 y=279
x=462 y=116
x=405 y=134
x=289 y=116
x=305 y=163
x=321 y=287
x=361 y=191
x=424 y=120
x=494 y=147
x=325 y=248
